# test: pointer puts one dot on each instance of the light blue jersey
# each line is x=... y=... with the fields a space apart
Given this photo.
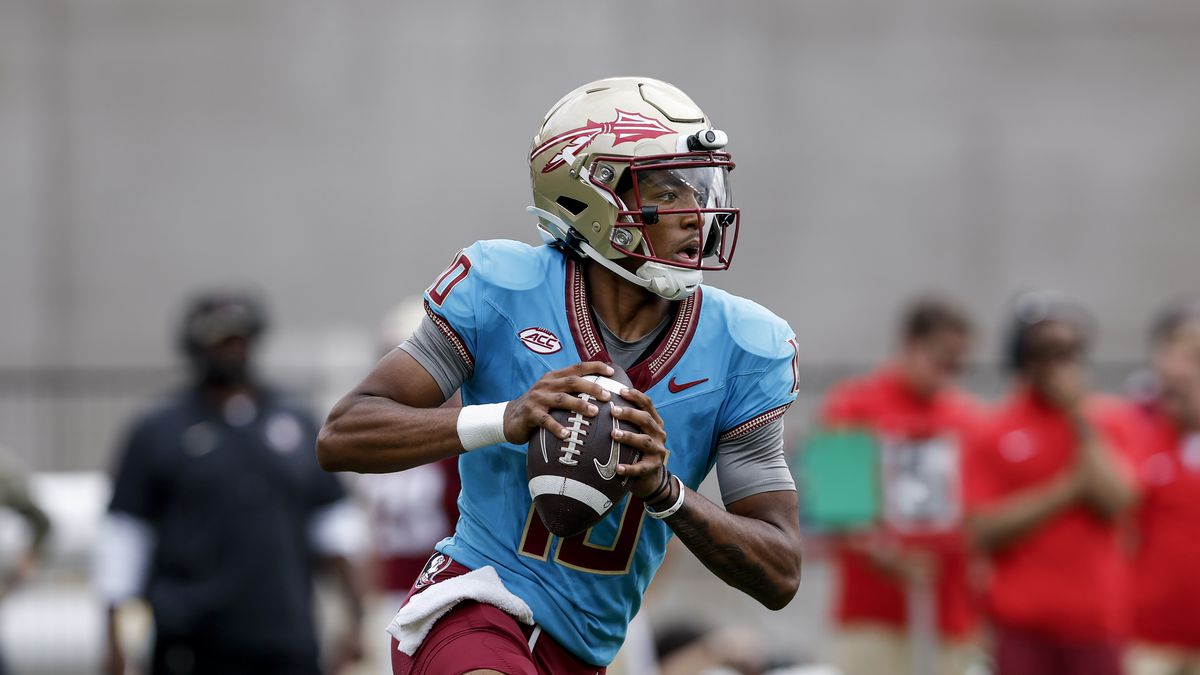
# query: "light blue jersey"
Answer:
x=724 y=368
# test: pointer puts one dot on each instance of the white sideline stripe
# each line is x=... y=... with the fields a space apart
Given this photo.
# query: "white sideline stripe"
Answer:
x=561 y=485
x=608 y=383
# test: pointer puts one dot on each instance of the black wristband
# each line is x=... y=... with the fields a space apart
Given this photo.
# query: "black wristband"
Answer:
x=666 y=496
x=665 y=484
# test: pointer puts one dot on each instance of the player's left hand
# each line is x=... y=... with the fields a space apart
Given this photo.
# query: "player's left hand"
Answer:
x=646 y=474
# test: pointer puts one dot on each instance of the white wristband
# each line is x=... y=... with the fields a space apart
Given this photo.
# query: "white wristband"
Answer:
x=481 y=425
x=659 y=515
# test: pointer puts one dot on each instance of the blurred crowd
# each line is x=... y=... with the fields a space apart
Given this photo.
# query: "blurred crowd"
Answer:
x=1050 y=532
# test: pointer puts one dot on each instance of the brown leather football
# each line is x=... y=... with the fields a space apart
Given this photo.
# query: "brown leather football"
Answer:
x=574 y=481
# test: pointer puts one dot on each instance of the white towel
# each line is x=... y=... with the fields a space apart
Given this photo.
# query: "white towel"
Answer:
x=414 y=620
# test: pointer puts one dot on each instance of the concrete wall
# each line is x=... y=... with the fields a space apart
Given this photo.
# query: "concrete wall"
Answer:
x=338 y=154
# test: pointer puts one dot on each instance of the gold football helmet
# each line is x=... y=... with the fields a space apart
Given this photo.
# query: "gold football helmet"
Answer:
x=594 y=159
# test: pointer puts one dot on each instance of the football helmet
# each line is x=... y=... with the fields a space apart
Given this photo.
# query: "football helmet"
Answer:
x=615 y=156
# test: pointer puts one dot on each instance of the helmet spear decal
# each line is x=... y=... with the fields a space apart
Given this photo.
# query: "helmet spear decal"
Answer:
x=626 y=128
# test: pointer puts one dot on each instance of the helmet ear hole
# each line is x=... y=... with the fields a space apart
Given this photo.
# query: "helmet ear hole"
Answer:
x=573 y=206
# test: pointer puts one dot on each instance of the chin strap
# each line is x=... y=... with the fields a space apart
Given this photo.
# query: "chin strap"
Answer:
x=672 y=283
x=667 y=281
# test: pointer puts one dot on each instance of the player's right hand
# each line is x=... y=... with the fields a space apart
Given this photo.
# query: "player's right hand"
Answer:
x=554 y=391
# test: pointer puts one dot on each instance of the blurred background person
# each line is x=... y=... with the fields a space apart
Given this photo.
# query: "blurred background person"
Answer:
x=920 y=419
x=15 y=496
x=1166 y=588
x=409 y=511
x=689 y=648
x=218 y=512
x=1048 y=483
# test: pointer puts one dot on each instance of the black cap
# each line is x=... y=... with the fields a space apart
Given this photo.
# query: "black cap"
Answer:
x=214 y=316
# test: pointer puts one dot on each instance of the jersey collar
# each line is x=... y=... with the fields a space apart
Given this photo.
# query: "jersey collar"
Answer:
x=647 y=372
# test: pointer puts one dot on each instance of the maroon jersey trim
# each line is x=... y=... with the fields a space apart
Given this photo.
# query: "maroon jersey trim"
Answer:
x=754 y=423
x=649 y=371
x=456 y=341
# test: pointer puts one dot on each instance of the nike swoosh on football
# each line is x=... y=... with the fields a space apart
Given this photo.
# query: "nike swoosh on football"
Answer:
x=676 y=388
x=608 y=470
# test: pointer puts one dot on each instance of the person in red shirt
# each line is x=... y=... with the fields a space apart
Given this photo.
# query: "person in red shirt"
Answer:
x=1166 y=596
x=920 y=419
x=1048 y=483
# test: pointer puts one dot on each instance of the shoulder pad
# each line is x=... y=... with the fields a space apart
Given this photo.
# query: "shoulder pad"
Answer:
x=754 y=328
x=511 y=264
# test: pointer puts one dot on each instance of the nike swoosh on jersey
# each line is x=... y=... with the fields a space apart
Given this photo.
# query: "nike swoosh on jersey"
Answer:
x=675 y=388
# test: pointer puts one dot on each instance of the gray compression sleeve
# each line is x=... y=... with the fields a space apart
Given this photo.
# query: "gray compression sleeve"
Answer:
x=753 y=463
x=436 y=355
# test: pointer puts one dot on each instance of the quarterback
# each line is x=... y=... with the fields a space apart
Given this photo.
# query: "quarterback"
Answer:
x=631 y=191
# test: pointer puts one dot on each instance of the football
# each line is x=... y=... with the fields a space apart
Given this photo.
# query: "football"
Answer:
x=573 y=480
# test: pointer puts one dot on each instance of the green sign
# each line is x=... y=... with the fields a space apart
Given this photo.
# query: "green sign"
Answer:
x=837 y=473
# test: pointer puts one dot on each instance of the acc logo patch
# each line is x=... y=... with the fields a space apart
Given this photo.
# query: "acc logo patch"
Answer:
x=540 y=340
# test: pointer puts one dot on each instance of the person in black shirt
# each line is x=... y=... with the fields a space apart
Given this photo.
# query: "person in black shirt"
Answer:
x=219 y=512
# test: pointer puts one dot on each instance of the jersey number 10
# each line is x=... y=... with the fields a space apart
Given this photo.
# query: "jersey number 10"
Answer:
x=577 y=553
